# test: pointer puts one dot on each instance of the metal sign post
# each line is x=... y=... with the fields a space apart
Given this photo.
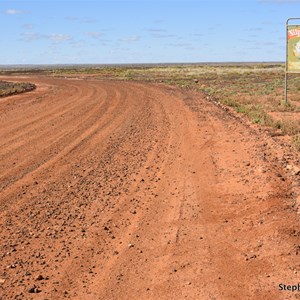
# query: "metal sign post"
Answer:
x=292 y=61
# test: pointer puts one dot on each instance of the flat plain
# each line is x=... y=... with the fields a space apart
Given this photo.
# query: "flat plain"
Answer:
x=143 y=182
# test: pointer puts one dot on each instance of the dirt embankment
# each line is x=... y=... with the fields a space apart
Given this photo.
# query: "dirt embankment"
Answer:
x=118 y=190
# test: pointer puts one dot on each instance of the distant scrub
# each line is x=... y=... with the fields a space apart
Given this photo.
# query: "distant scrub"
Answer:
x=12 y=88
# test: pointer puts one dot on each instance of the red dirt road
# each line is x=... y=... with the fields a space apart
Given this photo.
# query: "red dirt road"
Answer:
x=121 y=190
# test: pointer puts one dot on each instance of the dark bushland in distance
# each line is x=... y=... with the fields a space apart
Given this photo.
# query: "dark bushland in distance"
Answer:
x=12 y=88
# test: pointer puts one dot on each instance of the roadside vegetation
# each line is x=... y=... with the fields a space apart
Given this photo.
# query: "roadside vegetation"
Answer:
x=255 y=90
x=12 y=88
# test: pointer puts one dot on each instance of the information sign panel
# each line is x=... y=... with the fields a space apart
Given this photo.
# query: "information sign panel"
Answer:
x=293 y=48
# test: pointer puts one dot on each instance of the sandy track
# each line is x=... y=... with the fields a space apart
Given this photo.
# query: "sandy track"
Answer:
x=118 y=190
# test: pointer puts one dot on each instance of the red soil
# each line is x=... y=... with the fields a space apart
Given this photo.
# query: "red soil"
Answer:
x=118 y=190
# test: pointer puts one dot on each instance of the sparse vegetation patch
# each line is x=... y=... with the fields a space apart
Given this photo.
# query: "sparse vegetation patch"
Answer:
x=12 y=88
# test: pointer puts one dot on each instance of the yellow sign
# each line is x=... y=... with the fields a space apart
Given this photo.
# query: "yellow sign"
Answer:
x=293 y=55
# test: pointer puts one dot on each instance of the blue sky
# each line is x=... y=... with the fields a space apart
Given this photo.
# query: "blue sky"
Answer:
x=145 y=31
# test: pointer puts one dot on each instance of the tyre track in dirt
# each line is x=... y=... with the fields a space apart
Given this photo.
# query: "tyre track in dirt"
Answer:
x=62 y=137
x=61 y=125
x=93 y=166
x=139 y=191
x=45 y=123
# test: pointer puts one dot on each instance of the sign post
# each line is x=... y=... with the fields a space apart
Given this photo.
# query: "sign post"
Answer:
x=292 y=63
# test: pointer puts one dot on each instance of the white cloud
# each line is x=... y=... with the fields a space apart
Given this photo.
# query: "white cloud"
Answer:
x=163 y=36
x=180 y=45
x=94 y=34
x=155 y=30
x=54 y=37
x=130 y=39
x=12 y=11
x=58 y=37
x=27 y=26
x=71 y=18
x=88 y=20
x=31 y=36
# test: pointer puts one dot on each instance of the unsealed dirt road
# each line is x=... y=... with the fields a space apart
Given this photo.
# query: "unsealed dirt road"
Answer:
x=121 y=190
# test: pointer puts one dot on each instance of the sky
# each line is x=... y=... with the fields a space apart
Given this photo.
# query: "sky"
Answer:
x=145 y=31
